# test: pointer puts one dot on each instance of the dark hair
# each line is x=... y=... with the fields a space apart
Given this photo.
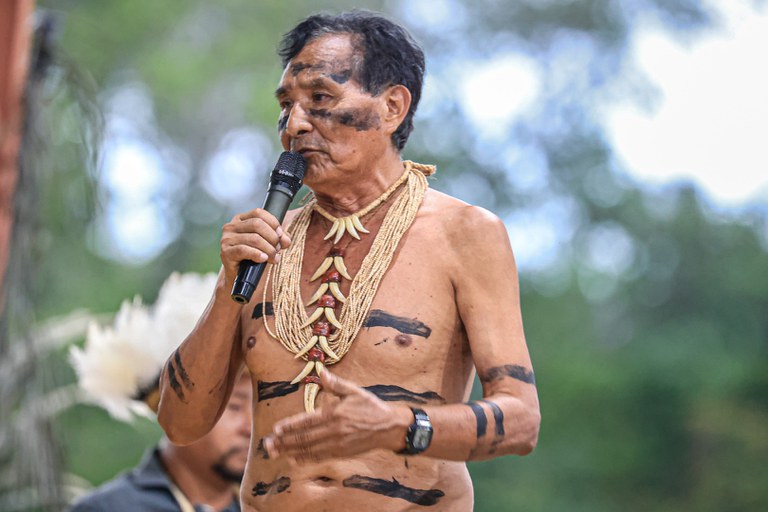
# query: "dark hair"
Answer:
x=390 y=56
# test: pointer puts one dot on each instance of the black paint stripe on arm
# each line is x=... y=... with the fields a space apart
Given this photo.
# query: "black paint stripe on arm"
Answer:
x=390 y=393
x=267 y=390
x=509 y=370
x=482 y=421
x=261 y=309
x=174 y=382
x=394 y=489
x=498 y=416
x=379 y=318
x=182 y=372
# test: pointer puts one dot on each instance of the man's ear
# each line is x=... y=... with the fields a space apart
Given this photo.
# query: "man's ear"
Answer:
x=397 y=101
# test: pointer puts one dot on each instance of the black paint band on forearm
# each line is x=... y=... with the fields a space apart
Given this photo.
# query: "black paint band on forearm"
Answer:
x=482 y=421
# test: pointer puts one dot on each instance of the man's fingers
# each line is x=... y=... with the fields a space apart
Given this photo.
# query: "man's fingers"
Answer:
x=337 y=385
x=297 y=422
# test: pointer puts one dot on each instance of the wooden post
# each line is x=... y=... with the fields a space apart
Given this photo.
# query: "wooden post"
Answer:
x=15 y=36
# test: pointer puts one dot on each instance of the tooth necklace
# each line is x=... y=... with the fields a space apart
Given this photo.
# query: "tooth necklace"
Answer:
x=323 y=338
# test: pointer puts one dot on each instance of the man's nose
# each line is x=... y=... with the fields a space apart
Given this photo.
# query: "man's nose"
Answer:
x=244 y=428
x=298 y=121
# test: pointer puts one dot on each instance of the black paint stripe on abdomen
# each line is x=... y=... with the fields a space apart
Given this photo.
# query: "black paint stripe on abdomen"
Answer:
x=276 y=487
x=261 y=309
x=379 y=318
x=390 y=393
x=394 y=489
x=267 y=390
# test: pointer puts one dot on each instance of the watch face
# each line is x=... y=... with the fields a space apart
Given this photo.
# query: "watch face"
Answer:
x=421 y=439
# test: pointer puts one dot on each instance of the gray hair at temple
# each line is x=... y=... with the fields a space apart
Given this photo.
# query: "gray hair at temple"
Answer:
x=390 y=55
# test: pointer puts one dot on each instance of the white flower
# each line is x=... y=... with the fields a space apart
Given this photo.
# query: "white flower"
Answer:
x=120 y=362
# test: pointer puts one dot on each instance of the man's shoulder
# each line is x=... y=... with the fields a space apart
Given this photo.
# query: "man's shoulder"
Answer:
x=144 y=487
x=456 y=216
x=117 y=494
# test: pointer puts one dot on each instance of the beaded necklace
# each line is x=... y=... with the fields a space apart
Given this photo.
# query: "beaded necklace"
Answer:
x=323 y=338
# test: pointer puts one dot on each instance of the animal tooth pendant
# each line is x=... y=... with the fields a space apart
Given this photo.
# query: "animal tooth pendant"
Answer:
x=350 y=224
x=311 y=383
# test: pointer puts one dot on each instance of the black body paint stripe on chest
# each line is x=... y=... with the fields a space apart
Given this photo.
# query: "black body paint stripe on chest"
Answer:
x=394 y=489
x=509 y=370
x=276 y=487
x=261 y=309
x=390 y=393
x=267 y=390
x=379 y=318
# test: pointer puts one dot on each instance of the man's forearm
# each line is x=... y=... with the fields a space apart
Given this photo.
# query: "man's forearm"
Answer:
x=496 y=425
x=198 y=377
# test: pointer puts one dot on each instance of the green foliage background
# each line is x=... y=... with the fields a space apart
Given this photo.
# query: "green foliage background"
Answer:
x=652 y=377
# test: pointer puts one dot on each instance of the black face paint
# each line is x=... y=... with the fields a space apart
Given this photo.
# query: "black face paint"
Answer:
x=267 y=390
x=509 y=370
x=379 y=318
x=298 y=67
x=341 y=77
x=276 y=487
x=282 y=124
x=262 y=309
x=394 y=489
x=359 y=119
x=320 y=112
x=390 y=393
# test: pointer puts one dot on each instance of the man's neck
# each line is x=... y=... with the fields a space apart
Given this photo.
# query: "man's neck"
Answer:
x=363 y=189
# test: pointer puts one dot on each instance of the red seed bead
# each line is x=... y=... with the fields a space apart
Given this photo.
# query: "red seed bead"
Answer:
x=315 y=354
x=313 y=379
x=332 y=276
x=321 y=328
x=327 y=301
x=337 y=251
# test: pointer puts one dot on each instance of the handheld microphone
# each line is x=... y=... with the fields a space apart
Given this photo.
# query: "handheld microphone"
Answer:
x=284 y=182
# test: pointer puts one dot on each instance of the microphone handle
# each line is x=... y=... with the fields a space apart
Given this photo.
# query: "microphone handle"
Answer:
x=249 y=273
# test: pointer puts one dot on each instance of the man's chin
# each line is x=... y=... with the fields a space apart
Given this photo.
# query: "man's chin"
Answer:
x=228 y=474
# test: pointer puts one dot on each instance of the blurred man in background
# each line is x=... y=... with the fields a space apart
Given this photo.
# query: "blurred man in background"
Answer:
x=118 y=368
x=202 y=476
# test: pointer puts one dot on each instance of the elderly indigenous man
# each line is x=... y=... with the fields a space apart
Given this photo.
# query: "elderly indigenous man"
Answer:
x=381 y=299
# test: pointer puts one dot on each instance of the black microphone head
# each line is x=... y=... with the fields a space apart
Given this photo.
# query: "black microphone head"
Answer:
x=289 y=171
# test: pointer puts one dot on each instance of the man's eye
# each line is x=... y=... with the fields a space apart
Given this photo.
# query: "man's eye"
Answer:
x=285 y=105
x=319 y=97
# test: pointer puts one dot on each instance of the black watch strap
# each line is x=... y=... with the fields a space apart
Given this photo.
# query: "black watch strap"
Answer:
x=419 y=434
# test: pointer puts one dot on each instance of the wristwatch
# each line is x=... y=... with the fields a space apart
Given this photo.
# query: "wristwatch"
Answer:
x=419 y=433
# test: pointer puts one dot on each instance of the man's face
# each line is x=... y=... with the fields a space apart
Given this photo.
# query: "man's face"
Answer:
x=225 y=448
x=326 y=115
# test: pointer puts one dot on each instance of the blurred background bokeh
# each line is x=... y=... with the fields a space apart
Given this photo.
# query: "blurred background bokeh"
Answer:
x=644 y=287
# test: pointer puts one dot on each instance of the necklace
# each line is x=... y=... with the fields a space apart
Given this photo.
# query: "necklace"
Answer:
x=331 y=336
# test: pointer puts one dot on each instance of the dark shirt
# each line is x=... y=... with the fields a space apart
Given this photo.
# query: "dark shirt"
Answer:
x=144 y=488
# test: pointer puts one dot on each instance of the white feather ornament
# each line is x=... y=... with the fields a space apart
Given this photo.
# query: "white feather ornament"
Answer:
x=121 y=363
